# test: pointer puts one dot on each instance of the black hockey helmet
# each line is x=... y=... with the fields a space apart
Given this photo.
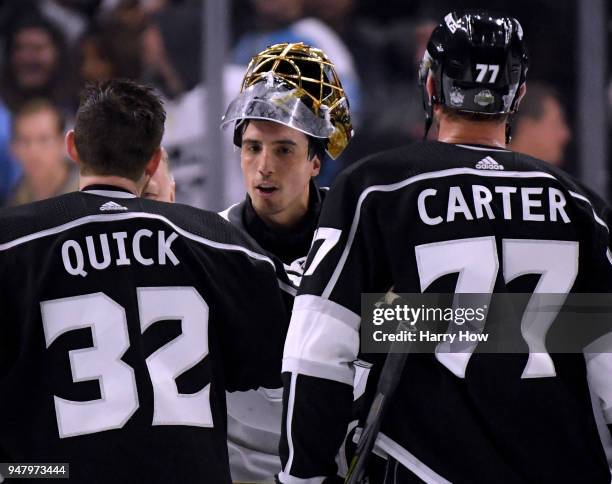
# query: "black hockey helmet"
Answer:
x=478 y=61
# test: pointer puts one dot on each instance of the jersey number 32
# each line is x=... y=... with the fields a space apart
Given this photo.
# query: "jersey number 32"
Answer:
x=109 y=329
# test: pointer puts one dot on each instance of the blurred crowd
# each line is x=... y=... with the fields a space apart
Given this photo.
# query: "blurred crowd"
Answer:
x=50 y=48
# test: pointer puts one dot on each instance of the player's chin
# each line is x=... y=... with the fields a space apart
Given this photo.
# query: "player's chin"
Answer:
x=266 y=206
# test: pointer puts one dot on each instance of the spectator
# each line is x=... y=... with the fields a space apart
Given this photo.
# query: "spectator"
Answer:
x=109 y=52
x=38 y=144
x=172 y=47
x=540 y=128
x=36 y=65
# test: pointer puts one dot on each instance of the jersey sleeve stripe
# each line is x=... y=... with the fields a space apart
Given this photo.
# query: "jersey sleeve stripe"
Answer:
x=389 y=447
x=290 y=405
x=323 y=340
x=595 y=216
x=286 y=478
x=287 y=288
x=404 y=183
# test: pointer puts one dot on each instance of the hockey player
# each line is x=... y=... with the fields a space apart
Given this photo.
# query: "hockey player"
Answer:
x=461 y=214
x=125 y=320
x=290 y=111
x=161 y=185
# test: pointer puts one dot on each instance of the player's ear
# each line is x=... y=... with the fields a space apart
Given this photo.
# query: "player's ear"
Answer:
x=316 y=165
x=153 y=162
x=71 y=147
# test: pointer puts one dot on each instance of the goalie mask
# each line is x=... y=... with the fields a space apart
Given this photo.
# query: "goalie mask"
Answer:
x=295 y=85
x=478 y=62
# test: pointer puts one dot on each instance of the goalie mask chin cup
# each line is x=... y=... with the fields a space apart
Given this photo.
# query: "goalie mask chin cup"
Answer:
x=295 y=85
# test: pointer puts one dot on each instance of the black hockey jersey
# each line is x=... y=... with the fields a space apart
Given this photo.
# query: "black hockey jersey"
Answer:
x=290 y=247
x=254 y=417
x=437 y=217
x=124 y=322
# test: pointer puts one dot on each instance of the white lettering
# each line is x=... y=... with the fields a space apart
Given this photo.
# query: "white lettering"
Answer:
x=506 y=191
x=91 y=251
x=470 y=336
x=73 y=270
x=556 y=201
x=482 y=199
x=136 y=246
x=423 y=211
x=120 y=239
x=163 y=248
x=528 y=204
x=457 y=204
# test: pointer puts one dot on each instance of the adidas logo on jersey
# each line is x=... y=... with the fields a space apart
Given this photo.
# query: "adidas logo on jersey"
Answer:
x=489 y=163
x=111 y=206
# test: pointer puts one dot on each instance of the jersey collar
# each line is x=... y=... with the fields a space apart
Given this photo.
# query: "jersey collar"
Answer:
x=476 y=147
x=110 y=191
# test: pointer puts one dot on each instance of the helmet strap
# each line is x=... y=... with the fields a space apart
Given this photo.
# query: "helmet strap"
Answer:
x=509 y=129
x=428 y=123
x=429 y=115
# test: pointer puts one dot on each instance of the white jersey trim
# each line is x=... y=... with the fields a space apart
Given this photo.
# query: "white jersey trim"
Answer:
x=126 y=216
x=481 y=148
x=385 y=446
x=289 y=479
x=290 y=404
x=585 y=199
x=404 y=183
x=288 y=288
x=319 y=370
x=109 y=193
x=322 y=341
x=225 y=213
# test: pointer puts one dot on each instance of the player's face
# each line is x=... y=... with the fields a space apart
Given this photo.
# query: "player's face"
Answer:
x=38 y=144
x=551 y=133
x=277 y=171
x=161 y=186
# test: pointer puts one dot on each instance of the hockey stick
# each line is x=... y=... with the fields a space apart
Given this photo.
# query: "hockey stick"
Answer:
x=387 y=383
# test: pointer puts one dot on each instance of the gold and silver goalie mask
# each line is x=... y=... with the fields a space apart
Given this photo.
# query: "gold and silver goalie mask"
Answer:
x=295 y=85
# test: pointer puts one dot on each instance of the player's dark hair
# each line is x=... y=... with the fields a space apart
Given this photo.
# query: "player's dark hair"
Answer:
x=316 y=146
x=119 y=125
